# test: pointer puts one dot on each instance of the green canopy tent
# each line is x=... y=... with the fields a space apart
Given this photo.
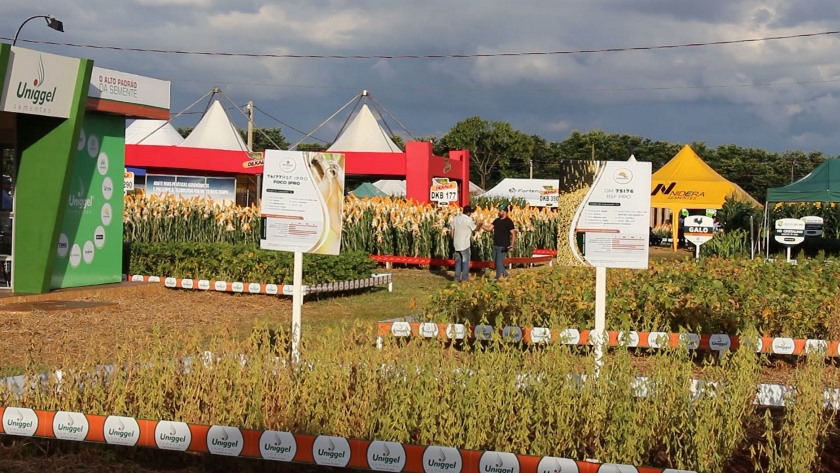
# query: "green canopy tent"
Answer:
x=820 y=185
x=366 y=189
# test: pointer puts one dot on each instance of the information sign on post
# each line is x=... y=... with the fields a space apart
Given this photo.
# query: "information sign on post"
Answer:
x=813 y=226
x=128 y=182
x=789 y=232
x=443 y=191
x=614 y=218
x=301 y=204
x=698 y=229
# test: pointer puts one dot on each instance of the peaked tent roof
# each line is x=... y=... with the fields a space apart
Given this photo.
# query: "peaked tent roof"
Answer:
x=687 y=182
x=152 y=132
x=396 y=187
x=364 y=134
x=215 y=131
x=820 y=185
x=366 y=189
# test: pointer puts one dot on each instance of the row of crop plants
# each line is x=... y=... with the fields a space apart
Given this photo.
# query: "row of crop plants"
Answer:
x=497 y=397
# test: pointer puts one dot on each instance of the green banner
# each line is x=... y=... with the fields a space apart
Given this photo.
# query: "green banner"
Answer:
x=89 y=249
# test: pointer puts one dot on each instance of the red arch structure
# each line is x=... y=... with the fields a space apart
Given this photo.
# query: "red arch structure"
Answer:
x=417 y=165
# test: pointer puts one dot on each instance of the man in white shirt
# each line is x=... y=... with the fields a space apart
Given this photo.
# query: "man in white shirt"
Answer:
x=462 y=227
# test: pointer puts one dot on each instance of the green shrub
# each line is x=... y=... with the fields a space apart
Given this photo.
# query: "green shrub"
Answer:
x=241 y=262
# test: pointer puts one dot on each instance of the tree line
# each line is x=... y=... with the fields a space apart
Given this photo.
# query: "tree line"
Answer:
x=498 y=150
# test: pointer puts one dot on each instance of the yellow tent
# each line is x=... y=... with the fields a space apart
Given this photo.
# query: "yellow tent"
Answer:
x=687 y=182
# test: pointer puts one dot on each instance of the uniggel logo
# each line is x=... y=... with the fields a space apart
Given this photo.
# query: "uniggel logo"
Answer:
x=331 y=451
x=19 y=423
x=123 y=434
x=277 y=448
x=441 y=464
x=498 y=462
x=441 y=459
x=386 y=460
x=79 y=201
x=331 y=454
x=175 y=439
x=497 y=469
x=70 y=429
x=225 y=443
x=35 y=94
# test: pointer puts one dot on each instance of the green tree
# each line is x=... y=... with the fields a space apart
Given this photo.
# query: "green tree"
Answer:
x=494 y=147
x=312 y=147
x=266 y=138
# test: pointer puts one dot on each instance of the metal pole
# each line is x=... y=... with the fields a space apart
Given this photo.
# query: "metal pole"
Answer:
x=250 y=125
x=600 y=316
x=297 y=305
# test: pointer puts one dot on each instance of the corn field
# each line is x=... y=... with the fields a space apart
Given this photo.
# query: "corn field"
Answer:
x=544 y=401
x=380 y=226
x=167 y=219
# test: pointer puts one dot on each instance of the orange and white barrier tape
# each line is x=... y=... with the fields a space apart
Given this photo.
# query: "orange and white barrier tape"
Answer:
x=714 y=342
x=376 y=455
x=263 y=288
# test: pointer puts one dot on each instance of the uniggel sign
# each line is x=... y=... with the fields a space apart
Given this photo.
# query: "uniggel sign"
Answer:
x=39 y=83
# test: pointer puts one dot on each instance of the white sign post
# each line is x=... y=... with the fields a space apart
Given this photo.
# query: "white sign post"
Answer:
x=443 y=191
x=614 y=218
x=301 y=203
x=813 y=226
x=790 y=232
x=698 y=229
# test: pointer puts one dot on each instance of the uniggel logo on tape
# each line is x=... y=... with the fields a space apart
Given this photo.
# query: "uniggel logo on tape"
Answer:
x=386 y=456
x=557 y=465
x=20 y=421
x=441 y=460
x=224 y=440
x=121 y=430
x=172 y=435
x=70 y=426
x=498 y=462
x=331 y=451
x=275 y=445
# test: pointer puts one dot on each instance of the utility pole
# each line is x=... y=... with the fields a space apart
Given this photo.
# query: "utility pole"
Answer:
x=530 y=169
x=250 y=143
x=250 y=125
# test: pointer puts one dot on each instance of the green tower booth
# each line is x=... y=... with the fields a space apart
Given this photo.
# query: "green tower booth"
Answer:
x=62 y=139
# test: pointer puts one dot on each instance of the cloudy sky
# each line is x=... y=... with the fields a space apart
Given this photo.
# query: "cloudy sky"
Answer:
x=775 y=95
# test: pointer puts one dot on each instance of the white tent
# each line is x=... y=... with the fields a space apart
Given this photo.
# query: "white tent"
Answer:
x=392 y=187
x=364 y=134
x=395 y=187
x=152 y=132
x=215 y=131
x=537 y=192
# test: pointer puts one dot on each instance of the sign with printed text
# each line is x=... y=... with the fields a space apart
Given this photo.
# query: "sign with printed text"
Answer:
x=217 y=189
x=789 y=231
x=39 y=83
x=443 y=191
x=615 y=214
x=813 y=226
x=128 y=181
x=698 y=229
x=302 y=199
x=116 y=86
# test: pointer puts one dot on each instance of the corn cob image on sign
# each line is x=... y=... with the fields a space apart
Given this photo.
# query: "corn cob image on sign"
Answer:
x=302 y=199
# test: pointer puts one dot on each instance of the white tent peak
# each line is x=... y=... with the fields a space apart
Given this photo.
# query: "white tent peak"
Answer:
x=632 y=159
x=215 y=131
x=152 y=132
x=396 y=187
x=364 y=134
